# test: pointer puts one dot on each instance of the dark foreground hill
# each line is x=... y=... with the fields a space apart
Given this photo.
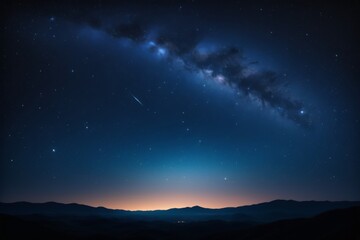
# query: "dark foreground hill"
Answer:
x=336 y=224
x=339 y=224
x=260 y=213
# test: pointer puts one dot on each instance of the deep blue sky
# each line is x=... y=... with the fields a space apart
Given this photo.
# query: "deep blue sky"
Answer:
x=158 y=105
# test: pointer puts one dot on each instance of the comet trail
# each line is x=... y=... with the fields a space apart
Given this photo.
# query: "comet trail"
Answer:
x=137 y=100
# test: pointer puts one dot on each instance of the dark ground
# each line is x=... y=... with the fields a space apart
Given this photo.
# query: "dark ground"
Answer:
x=336 y=224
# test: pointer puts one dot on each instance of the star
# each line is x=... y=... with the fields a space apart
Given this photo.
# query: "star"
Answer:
x=53 y=150
x=161 y=51
x=152 y=44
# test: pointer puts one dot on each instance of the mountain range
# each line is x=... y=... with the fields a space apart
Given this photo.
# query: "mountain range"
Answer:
x=259 y=213
x=72 y=221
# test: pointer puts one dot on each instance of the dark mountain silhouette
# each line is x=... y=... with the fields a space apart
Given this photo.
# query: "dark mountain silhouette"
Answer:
x=336 y=224
x=54 y=208
x=263 y=212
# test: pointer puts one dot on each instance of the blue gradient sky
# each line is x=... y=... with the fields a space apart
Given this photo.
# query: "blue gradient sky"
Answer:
x=73 y=132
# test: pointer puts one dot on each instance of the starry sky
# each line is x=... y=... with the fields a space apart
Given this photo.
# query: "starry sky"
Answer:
x=161 y=104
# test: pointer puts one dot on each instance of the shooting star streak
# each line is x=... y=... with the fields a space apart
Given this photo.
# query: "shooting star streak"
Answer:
x=136 y=99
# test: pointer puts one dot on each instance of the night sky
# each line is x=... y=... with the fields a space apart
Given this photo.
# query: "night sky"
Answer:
x=168 y=104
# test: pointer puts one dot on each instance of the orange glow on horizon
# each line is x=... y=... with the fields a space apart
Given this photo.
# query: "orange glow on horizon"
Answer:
x=168 y=201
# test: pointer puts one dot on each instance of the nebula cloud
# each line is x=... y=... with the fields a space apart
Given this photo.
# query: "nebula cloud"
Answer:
x=224 y=65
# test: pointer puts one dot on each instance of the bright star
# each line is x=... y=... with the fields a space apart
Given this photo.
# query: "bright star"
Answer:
x=208 y=72
x=152 y=44
x=220 y=78
x=161 y=51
